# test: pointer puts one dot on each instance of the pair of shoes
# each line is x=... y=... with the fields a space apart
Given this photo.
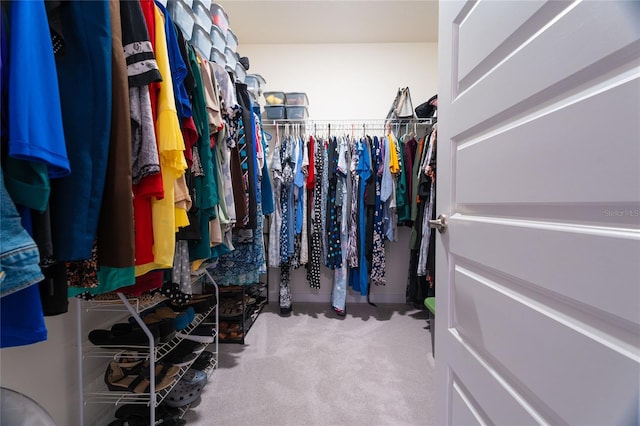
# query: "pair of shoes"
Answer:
x=136 y=414
x=134 y=380
x=124 y=336
x=180 y=358
x=200 y=303
x=201 y=334
x=166 y=329
x=191 y=346
x=180 y=320
x=203 y=361
x=193 y=376
x=144 y=421
x=226 y=326
x=185 y=392
x=231 y=335
x=185 y=353
x=132 y=363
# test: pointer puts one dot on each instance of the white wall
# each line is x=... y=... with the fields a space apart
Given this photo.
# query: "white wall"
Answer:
x=346 y=81
x=47 y=372
x=343 y=82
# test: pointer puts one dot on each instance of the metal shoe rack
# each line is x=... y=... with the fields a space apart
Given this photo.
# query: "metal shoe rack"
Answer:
x=96 y=392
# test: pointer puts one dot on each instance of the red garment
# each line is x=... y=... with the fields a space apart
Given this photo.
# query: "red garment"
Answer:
x=190 y=135
x=311 y=171
x=147 y=282
x=149 y=186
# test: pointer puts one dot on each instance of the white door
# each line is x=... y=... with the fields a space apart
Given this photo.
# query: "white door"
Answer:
x=538 y=274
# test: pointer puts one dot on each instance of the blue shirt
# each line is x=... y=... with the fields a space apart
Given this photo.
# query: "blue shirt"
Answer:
x=178 y=67
x=35 y=118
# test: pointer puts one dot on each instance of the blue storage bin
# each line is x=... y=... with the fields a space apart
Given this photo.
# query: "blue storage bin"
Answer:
x=274 y=98
x=274 y=112
x=296 y=99
x=219 y=17
x=181 y=14
x=232 y=40
x=201 y=41
x=241 y=72
x=232 y=58
x=297 y=112
x=218 y=57
x=218 y=39
x=202 y=12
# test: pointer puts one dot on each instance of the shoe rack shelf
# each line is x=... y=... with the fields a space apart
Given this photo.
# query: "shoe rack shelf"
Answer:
x=96 y=391
x=248 y=312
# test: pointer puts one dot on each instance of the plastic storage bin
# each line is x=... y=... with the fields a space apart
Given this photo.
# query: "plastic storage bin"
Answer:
x=297 y=112
x=232 y=40
x=232 y=58
x=203 y=14
x=231 y=71
x=253 y=85
x=218 y=39
x=255 y=80
x=219 y=17
x=218 y=57
x=201 y=40
x=296 y=99
x=274 y=112
x=241 y=72
x=181 y=14
x=274 y=98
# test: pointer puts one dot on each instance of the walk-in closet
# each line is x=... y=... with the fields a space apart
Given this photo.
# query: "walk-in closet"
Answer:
x=319 y=212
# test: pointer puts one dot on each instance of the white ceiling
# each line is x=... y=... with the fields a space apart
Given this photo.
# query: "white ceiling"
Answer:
x=333 y=21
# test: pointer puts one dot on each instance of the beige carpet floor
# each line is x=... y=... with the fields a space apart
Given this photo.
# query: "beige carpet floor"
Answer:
x=372 y=367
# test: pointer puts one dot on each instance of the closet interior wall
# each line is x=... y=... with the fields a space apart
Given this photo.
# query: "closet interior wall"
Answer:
x=348 y=81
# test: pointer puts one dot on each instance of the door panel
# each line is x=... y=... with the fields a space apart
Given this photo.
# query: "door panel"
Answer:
x=537 y=71
x=526 y=343
x=551 y=259
x=538 y=274
x=526 y=162
x=512 y=24
x=463 y=408
x=488 y=395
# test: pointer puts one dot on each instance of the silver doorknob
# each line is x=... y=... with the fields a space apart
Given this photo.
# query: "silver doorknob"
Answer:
x=440 y=223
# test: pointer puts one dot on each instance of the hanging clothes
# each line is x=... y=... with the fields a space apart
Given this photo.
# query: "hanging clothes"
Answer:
x=313 y=271
x=275 y=221
x=340 y=277
x=334 y=250
x=359 y=276
x=378 y=261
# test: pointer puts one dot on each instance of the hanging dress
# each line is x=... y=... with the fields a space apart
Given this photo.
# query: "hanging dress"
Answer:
x=359 y=276
x=378 y=261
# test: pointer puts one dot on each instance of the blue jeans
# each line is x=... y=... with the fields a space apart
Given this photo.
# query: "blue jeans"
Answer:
x=19 y=258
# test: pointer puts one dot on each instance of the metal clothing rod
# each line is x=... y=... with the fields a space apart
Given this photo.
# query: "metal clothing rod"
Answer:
x=352 y=122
